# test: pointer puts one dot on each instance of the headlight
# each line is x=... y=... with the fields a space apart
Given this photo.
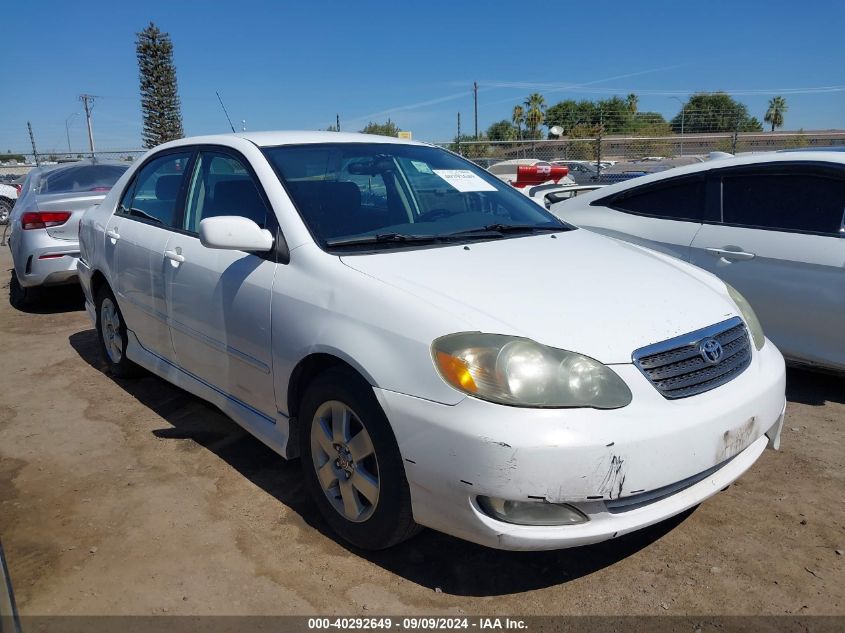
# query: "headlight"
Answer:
x=517 y=371
x=748 y=316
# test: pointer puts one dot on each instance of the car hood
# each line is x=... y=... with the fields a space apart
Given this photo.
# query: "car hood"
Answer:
x=576 y=291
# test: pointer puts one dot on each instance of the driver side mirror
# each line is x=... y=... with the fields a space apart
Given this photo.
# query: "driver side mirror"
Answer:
x=236 y=233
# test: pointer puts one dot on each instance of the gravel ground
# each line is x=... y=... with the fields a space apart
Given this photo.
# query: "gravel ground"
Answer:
x=133 y=497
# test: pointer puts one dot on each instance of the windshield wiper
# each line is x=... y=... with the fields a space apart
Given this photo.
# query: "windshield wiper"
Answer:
x=499 y=228
x=383 y=238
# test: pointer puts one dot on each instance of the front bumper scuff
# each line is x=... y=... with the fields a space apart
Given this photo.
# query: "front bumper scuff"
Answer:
x=583 y=457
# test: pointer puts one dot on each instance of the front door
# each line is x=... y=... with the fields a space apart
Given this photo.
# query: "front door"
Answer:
x=219 y=300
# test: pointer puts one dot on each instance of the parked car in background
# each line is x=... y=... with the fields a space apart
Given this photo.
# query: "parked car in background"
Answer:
x=586 y=173
x=417 y=352
x=771 y=225
x=549 y=194
x=44 y=222
x=506 y=170
x=8 y=196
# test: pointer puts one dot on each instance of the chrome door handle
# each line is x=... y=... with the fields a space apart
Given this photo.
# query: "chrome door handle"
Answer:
x=174 y=256
x=729 y=254
x=113 y=234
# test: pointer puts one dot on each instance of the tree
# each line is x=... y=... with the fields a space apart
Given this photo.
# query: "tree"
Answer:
x=467 y=146
x=774 y=115
x=159 y=96
x=535 y=106
x=632 y=101
x=501 y=131
x=715 y=112
x=382 y=129
x=518 y=118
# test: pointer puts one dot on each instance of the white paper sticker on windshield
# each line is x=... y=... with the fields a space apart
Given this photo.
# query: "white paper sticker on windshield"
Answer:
x=464 y=180
x=421 y=167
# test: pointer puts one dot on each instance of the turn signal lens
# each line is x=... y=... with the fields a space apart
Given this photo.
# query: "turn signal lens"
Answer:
x=456 y=372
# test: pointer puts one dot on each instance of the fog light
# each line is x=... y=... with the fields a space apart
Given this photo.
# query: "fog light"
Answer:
x=531 y=512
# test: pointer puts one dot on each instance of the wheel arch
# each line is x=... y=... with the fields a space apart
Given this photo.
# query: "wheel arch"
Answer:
x=98 y=281
x=309 y=368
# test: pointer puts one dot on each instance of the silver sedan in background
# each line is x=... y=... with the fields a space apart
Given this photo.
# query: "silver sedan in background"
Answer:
x=44 y=224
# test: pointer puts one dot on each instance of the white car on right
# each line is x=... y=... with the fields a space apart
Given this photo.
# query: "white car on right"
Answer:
x=771 y=225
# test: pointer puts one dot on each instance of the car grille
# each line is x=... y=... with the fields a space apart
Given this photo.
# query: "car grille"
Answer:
x=677 y=368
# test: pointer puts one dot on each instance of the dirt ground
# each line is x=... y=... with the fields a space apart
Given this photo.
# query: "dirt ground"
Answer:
x=133 y=497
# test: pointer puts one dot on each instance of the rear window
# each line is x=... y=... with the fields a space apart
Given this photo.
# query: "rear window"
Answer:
x=79 y=178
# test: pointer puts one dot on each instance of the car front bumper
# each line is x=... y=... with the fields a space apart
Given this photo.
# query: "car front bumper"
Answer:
x=624 y=469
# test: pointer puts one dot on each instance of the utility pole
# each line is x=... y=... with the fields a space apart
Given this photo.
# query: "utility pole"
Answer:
x=458 y=137
x=86 y=101
x=735 y=137
x=32 y=140
x=683 y=113
x=598 y=143
x=475 y=102
x=337 y=122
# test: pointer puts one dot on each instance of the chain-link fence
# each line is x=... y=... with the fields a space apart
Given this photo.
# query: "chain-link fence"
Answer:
x=641 y=149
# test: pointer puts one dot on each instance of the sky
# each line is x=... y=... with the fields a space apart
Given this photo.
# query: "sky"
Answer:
x=295 y=65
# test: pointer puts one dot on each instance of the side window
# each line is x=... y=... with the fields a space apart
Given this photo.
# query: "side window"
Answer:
x=677 y=199
x=221 y=185
x=154 y=194
x=792 y=202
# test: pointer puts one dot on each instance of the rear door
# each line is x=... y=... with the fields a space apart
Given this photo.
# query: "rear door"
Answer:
x=780 y=243
x=219 y=300
x=136 y=238
x=664 y=216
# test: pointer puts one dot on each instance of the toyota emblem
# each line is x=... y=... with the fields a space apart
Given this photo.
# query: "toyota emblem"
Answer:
x=710 y=350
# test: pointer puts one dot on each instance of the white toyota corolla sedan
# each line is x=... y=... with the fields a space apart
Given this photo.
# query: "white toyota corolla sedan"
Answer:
x=438 y=349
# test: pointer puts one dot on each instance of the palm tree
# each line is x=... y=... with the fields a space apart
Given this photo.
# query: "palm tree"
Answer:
x=774 y=115
x=535 y=106
x=518 y=117
x=632 y=101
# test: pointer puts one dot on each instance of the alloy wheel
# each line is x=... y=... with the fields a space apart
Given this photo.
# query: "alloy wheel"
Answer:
x=345 y=461
x=110 y=327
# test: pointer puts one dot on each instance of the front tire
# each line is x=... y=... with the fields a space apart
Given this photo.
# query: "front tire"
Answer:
x=112 y=336
x=351 y=463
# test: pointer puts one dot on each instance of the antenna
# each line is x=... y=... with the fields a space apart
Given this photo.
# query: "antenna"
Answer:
x=224 y=112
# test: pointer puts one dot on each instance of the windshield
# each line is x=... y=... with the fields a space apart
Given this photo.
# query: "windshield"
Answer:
x=357 y=194
x=77 y=178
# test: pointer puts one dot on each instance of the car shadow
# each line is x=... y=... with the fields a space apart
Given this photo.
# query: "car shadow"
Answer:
x=814 y=387
x=431 y=559
x=49 y=300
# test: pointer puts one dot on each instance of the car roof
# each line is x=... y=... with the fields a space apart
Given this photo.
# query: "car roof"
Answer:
x=767 y=158
x=289 y=137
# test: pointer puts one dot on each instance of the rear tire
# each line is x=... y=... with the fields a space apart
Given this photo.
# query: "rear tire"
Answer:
x=21 y=298
x=112 y=336
x=351 y=463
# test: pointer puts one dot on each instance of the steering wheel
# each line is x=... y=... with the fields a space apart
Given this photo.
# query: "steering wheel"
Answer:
x=434 y=214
